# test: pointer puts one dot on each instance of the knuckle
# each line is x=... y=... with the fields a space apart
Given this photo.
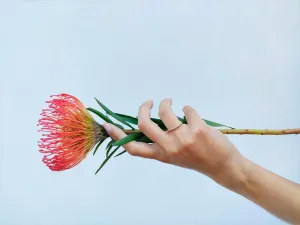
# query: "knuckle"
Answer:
x=201 y=131
x=170 y=149
x=186 y=139
x=188 y=142
x=176 y=150
x=168 y=145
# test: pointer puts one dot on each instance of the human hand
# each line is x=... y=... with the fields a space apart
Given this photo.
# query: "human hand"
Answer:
x=194 y=145
x=205 y=149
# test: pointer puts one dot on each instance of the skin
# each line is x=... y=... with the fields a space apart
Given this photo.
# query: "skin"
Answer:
x=204 y=149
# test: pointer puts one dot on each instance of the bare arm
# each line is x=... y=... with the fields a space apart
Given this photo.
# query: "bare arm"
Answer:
x=204 y=149
x=275 y=194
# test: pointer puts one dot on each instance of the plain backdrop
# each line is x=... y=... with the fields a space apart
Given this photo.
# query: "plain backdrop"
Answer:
x=236 y=62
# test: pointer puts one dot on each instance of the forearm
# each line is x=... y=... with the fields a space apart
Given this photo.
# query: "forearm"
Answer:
x=275 y=194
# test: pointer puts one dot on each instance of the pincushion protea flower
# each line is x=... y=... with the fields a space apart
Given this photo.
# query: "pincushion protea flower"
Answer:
x=70 y=132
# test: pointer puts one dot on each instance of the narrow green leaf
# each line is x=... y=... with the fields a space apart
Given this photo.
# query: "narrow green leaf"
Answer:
x=104 y=117
x=101 y=115
x=107 y=158
x=211 y=123
x=108 y=150
x=110 y=143
x=111 y=113
x=160 y=123
x=109 y=147
x=144 y=139
x=127 y=139
x=157 y=121
x=118 y=125
x=181 y=119
x=98 y=145
x=214 y=124
x=129 y=119
x=121 y=153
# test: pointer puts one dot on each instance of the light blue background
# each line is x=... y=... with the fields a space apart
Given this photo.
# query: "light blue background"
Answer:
x=236 y=62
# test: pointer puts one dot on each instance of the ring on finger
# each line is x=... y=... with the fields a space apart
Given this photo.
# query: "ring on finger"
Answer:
x=179 y=124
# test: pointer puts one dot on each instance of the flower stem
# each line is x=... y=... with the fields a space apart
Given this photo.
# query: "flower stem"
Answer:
x=261 y=131
x=246 y=131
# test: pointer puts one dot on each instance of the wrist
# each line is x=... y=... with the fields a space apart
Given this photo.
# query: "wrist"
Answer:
x=234 y=174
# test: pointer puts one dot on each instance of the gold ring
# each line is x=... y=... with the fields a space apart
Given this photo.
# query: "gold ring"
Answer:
x=180 y=123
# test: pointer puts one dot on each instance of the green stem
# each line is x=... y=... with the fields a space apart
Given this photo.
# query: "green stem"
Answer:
x=246 y=131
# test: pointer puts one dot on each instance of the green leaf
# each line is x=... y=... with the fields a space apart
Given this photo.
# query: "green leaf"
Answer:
x=211 y=123
x=110 y=143
x=121 y=153
x=107 y=158
x=98 y=145
x=104 y=117
x=101 y=115
x=214 y=124
x=118 y=125
x=109 y=147
x=111 y=113
x=160 y=123
x=108 y=150
x=181 y=119
x=157 y=121
x=144 y=139
x=129 y=119
x=127 y=139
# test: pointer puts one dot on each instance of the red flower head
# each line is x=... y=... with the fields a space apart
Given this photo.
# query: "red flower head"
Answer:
x=70 y=132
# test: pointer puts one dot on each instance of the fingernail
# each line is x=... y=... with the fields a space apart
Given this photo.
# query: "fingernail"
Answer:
x=107 y=127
